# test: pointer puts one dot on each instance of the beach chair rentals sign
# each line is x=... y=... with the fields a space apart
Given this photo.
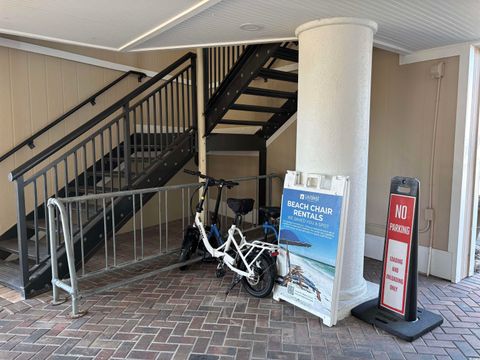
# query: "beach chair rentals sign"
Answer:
x=311 y=239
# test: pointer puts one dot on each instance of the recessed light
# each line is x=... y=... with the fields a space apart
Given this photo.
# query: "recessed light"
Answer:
x=251 y=27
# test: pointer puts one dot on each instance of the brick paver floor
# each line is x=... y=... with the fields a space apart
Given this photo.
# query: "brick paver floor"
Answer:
x=186 y=315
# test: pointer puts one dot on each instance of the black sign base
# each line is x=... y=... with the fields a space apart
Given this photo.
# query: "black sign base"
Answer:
x=406 y=330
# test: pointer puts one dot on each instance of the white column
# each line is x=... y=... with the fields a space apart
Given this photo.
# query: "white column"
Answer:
x=335 y=62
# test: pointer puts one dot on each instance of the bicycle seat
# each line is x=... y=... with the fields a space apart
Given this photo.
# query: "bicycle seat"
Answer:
x=240 y=206
x=270 y=211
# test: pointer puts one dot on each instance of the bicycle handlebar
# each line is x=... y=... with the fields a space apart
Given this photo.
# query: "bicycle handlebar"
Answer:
x=211 y=180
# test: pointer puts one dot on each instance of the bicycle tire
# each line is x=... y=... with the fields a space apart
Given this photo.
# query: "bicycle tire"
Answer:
x=265 y=265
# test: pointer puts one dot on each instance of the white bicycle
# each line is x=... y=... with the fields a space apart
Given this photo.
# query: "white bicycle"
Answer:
x=252 y=262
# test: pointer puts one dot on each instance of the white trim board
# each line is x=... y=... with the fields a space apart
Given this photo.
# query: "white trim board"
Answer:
x=441 y=260
x=43 y=50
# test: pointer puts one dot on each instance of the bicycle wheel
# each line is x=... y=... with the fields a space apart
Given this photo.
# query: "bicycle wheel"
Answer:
x=265 y=272
x=189 y=245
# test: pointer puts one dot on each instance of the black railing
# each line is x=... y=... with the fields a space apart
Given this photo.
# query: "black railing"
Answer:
x=217 y=63
x=128 y=137
x=90 y=100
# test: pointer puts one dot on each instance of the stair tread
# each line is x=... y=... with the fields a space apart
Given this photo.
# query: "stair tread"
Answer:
x=11 y=245
x=286 y=54
x=242 y=122
x=278 y=75
x=257 y=108
x=270 y=93
x=10 y=274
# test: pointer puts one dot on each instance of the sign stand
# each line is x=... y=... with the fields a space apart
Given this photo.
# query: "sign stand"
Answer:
x=395 y=310
x=311 y=242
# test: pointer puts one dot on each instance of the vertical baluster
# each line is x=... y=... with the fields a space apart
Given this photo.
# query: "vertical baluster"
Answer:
x=183 y=101
x=82 y=250
x=214 y=85
x=228 y=59
x=167 y=131
x=35 y=221
x=166 y=220
x=141 y=226
x=142 y=140
x=134 y=229
x=160 y=117
x=149 y=131
x=188 y=199
x=223 y=64
x=183 y=208
x=45 y=206
x=110 y=156
x=127 y=146
x=119 y=162
x=77 y=177
x=210 y=72
x=65 y=175
x=102 y=161
x=177 y=102
x=104 y=205
x=172 y=111
x=94 y=154
x=135 y=149
x=189 y=88
x=155 y=123
x=85 y=176
x=160 y=220
x=55 y=172
x=114 y=244
x=70 y=218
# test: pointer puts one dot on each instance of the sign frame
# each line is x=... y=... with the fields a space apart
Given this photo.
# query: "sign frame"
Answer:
x=322 y=185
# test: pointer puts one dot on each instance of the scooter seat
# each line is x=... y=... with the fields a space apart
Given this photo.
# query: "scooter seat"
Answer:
x=240 y=206
x=270 y=212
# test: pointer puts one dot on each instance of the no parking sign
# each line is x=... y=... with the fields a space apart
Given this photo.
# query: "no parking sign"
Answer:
x=398 y=245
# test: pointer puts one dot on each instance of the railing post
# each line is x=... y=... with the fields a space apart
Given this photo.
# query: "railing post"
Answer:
x=127 y=145
x=22 y=233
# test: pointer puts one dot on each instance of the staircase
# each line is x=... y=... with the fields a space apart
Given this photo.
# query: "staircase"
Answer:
x=142 y=141
x=234 y=91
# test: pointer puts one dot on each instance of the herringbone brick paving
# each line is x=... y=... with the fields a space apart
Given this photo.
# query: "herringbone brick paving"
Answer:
x=186 y=315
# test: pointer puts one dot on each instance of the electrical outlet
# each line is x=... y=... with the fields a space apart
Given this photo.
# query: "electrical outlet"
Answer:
x=429 y=214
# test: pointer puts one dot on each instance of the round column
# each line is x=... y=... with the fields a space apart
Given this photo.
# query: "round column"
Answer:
x=335 y=63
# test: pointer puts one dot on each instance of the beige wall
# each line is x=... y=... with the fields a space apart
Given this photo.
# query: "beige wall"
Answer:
x=401 y=128
x=34 y=90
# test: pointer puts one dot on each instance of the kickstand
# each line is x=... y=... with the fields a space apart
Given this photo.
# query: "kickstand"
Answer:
x=236 y=279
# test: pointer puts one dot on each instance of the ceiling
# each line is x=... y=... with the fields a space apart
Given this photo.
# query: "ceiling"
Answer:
x=403 y=25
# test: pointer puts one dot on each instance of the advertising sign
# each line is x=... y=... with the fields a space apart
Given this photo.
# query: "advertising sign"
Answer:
x=311 y=238
x=397 y=253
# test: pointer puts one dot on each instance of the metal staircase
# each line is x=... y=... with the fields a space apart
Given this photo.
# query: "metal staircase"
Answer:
x=225 y=90
x=140 y=141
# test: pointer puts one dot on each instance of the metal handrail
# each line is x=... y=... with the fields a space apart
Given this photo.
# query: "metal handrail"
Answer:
x=45 y=154
x=90 y=100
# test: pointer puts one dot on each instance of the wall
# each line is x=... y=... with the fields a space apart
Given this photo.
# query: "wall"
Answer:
x=34 y=90
x=401 y=128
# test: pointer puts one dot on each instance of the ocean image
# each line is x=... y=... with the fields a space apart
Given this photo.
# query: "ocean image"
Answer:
x=306 y=282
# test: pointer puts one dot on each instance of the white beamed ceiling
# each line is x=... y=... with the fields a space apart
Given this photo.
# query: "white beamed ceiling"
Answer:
x=404 y=25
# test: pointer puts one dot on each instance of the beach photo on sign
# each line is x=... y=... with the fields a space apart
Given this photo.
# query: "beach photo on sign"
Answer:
x=308 y=281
